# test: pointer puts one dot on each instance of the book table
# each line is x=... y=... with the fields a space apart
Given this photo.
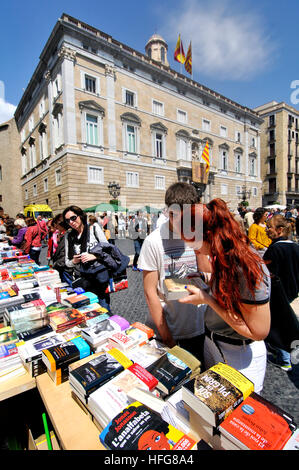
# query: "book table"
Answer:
x=74 y=428
x=16 y=385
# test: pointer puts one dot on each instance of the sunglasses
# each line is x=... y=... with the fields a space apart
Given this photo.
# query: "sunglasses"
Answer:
x=71 y=219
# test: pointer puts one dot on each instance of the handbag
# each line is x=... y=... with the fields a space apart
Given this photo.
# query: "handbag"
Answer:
x=109 y=268
x=284 y=322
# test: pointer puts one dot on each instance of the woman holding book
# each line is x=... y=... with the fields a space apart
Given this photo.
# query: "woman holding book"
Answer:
x=237 y=318
x=78 y=243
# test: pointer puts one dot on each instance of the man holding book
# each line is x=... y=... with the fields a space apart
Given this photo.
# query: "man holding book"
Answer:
x=163 y=255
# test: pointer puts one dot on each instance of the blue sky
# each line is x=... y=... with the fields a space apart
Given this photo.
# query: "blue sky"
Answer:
x=245 y=50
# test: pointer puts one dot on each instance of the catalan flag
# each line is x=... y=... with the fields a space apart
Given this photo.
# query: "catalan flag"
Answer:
x=205 y=156
x=179 y=54
x=188 y=61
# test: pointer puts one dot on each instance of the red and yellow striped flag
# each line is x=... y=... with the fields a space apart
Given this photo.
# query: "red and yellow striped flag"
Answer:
x=188 y=61
x=179 y=54
x=205 y=156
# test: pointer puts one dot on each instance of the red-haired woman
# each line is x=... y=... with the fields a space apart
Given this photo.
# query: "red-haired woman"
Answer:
x=237 y=318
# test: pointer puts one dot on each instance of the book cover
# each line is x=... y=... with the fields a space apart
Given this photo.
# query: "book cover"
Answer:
x=55 y=307
x=216 y=392
x=96 y=319
x=148 y=353
x=8 y=351
x=65 y=318
x=77 y=300
x=138 y=334
x=89 y=376
x=92 y=307
x=8 y=335
x=100 y=332
x=139 y=428
x=174 y=288
x=122 y=341
x=32 y=349
x=257 y=424
x=169 y=371
x=112 y=397
x=293 y=442
x=120 y=321
x=58 y=356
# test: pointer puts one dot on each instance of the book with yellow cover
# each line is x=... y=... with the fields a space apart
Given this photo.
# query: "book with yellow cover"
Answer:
x=215 y=393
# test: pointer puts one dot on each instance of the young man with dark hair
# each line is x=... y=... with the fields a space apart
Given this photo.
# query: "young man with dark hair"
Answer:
x=163 y=254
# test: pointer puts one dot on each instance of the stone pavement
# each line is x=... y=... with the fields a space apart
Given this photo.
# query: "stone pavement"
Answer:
x=280 y=387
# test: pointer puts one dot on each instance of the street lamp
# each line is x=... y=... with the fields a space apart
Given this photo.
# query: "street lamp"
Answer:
x=114 y=189
x=244 y=193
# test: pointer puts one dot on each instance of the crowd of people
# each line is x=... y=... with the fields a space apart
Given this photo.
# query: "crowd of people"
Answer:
x=240 y=256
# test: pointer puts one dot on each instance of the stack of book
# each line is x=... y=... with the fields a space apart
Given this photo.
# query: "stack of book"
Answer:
x=76 y=300
x=61 y=320
x=30 y=351
x=10 y=362
x=257 y=424
x=137 y=334
x=87 y=375
x=50 y=276
x=27 y=316
x=210 y=397
x=58 y=358
x=98 y=335
x=112 y=397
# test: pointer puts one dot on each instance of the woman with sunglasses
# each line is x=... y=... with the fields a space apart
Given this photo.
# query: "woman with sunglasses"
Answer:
x=78 y=243
x=237 y=318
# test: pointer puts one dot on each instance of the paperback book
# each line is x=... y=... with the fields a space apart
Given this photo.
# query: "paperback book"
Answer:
x=174 y=288
x=216 y=392
x=108 y=400
x=170 y=372
x=138 y=428
x=63 y=354
x=90 y=376
x=257 y=424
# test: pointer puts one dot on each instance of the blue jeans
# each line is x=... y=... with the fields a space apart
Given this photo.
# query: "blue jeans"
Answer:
x=283 y=357
x=137 y=246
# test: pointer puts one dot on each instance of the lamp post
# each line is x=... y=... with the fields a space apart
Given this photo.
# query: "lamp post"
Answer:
x=244 y=194
x=114 y=189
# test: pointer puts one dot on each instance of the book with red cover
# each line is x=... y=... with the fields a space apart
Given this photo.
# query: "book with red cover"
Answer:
x=63 y=319
x=257 y=424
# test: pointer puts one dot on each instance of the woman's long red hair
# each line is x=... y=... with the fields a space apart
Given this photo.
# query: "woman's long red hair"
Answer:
x=231 y=254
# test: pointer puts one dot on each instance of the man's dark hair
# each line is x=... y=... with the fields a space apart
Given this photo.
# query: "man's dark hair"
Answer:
x=181 y=193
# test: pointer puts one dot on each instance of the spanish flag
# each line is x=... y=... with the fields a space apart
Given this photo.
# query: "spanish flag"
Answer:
x=179 y=54
x=205 y=156
x=188 y=61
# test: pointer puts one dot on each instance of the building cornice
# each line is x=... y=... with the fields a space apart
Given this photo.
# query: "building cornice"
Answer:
x=120 y=51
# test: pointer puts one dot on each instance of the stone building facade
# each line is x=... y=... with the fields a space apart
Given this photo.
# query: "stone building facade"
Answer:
x=280 y=153
x=10 y=171
x=97 y=111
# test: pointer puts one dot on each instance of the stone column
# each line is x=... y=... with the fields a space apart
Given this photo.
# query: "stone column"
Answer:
x=68 y=57
x=110 y=79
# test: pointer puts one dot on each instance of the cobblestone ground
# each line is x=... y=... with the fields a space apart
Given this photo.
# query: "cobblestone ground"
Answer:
x=280 y=387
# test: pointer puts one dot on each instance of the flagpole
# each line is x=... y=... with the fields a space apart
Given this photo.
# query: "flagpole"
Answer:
x=181 y=54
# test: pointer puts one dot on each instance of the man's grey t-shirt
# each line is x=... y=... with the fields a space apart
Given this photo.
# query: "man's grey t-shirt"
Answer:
x=163 y=253
x=261 y=295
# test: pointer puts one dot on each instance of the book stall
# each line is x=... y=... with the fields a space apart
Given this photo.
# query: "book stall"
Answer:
x=109 y=384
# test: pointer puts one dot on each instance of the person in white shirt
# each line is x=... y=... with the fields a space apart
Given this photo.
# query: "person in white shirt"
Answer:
x=164 y=254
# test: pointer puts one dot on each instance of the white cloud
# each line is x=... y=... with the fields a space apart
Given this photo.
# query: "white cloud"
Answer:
x=227 y=43
x=6 y=111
